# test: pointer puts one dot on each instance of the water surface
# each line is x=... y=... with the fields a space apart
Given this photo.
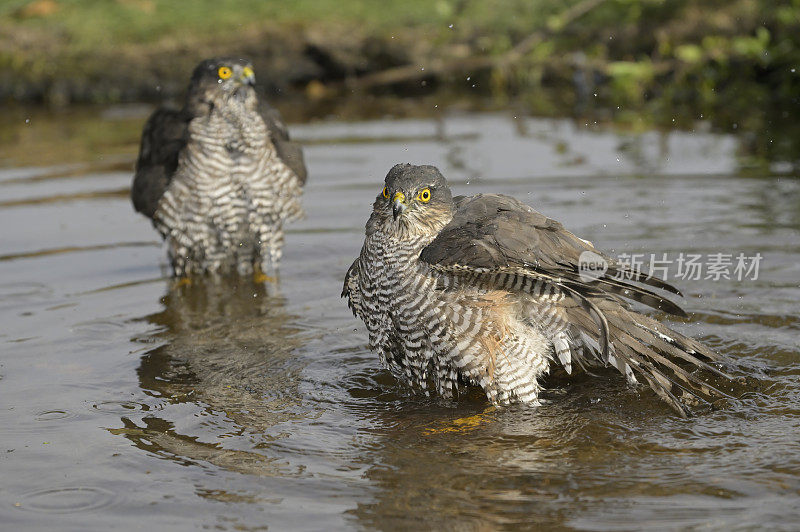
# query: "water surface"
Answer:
x=129 y=402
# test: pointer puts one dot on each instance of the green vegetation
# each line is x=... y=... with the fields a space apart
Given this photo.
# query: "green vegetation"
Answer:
x=635 y=43
x=88 y=25
x=671 y=61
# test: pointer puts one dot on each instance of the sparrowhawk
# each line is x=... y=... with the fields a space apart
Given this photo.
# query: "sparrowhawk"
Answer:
x=219 y=177
x=483 y=290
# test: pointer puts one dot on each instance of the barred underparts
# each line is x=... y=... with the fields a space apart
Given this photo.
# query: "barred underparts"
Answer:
x=485 y=291
x=218 y=178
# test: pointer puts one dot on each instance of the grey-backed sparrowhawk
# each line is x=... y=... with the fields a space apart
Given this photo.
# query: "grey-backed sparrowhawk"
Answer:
x=218 y=177
x=483 y=290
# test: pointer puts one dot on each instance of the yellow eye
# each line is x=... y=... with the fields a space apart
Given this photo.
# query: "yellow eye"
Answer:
x=386 y=192
x=224 y=72
x=424 y=195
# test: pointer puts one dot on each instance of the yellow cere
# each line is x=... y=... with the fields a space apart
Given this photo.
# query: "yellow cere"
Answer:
x=224 y=72
x=424 y=195
x=248 y=72
x=386 y=192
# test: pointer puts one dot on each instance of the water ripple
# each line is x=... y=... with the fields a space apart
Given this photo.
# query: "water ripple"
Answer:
x=67 y=500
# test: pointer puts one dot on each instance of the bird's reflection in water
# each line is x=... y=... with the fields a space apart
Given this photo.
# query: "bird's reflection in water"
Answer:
x=224 y=373
x=472 y=466
x=475 y=467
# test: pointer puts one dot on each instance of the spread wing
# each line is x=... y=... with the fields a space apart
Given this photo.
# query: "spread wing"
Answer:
x=290 y=152
x=164 y=136
x=496 y=231
x=497 y=241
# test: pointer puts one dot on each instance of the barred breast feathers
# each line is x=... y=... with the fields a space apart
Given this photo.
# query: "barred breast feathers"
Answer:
x=229 y=187
x=218 y=178
x=425 y=334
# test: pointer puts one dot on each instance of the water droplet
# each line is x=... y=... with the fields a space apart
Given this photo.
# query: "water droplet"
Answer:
x=793 y=70
x=27 y=120
x=617 y=159
x=469 y=78
x=450 y=26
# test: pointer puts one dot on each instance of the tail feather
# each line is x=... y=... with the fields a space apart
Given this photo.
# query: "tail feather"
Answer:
x=621 y=271
x=641 y=295
x=685 y=376
x=685 y=343
x=661 y=385
x=678 y=351
x=642 y=349
x=654 y=359
x=599 y=318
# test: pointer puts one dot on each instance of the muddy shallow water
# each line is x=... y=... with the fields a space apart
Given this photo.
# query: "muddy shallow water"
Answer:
x=128 y=402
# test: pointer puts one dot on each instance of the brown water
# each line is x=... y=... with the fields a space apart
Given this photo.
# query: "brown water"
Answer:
x=128 y=403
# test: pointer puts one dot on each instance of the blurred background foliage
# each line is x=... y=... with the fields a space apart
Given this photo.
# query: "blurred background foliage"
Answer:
x=654 y=62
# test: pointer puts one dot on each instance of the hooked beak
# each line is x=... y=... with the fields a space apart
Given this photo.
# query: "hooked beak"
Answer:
x=248 y=77
x=399 y=204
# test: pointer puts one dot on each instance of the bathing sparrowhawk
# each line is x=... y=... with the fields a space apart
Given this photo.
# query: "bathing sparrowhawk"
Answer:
x=483 y=290
x=219 y=177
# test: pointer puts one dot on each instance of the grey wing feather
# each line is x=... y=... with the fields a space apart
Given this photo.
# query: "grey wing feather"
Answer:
x=163 y=138
x=350 y=289
x=489 y=231
x=495 y=233
x=290 y=152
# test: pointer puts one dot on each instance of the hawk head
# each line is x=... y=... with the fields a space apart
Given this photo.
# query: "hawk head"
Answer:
x=220 y=82
x=415 y=200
